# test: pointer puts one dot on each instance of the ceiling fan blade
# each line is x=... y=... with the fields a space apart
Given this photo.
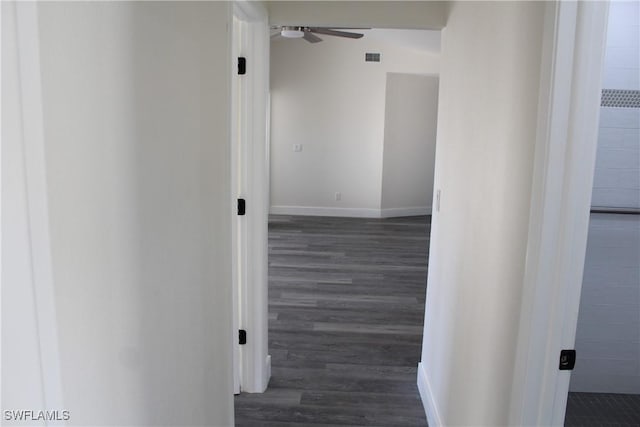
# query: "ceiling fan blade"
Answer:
x=310 y=37
x=330 y=32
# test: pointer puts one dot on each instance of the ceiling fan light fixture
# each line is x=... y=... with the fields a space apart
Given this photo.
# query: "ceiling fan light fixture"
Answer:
x=292 y=32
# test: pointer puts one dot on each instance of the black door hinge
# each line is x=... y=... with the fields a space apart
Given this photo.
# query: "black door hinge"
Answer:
x=567 y=360
x=242 y=65
x=242 y=337
x=242 y=207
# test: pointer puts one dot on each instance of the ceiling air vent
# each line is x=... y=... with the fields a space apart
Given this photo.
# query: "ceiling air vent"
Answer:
x=371 y=57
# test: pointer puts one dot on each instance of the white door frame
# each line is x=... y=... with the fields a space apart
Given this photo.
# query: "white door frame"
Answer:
x=573 y=51
x=35 y=187
x=569 y=107
x=250 y=181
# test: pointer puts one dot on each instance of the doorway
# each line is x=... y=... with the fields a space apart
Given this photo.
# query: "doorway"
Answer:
x=605 y=385
x=346 y=287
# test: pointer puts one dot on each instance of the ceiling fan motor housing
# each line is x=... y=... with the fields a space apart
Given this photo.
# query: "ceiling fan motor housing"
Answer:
x=292 y=32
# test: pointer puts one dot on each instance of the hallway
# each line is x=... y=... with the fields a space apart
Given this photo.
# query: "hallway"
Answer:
x=346 y=307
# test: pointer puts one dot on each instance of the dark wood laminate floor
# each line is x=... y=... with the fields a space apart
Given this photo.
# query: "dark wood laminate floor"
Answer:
x=602 y=410
x=346 y=308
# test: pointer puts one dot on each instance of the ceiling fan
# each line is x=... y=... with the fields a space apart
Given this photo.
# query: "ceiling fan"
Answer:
x=309 y=33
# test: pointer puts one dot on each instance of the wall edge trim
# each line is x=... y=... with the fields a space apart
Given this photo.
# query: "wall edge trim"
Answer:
x=325 y=211
x=350 y=212
x=426 y=395
x=410 y=211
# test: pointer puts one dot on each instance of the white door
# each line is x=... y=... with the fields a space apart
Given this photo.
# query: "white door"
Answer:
x=250 y=182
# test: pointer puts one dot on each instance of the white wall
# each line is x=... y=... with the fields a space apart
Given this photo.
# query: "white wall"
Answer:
x=136 y=106
x=327 y=98
x=617 y=175
x=411 y=112
x=608 y=331
x=488 y=101
x=22 y=382
x=372 y=14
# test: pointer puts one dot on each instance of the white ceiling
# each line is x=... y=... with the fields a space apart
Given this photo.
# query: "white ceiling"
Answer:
x=427 y=41
x=423 y=40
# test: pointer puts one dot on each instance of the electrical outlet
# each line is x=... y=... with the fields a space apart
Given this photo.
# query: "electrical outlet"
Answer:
x=297 y=148
x=338 y=196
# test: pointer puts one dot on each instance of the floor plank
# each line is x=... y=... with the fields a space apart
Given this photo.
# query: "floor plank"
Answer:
x=602 y=410
x=346 y=310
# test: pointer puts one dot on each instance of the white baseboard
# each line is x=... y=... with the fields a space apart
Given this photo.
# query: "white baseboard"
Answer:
x=324 y=211
x=267 y=371
x=394 y=212
x=426 y=394
x=350 y=212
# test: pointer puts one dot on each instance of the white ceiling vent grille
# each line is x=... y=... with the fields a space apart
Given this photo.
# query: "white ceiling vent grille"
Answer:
x=371 y=57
